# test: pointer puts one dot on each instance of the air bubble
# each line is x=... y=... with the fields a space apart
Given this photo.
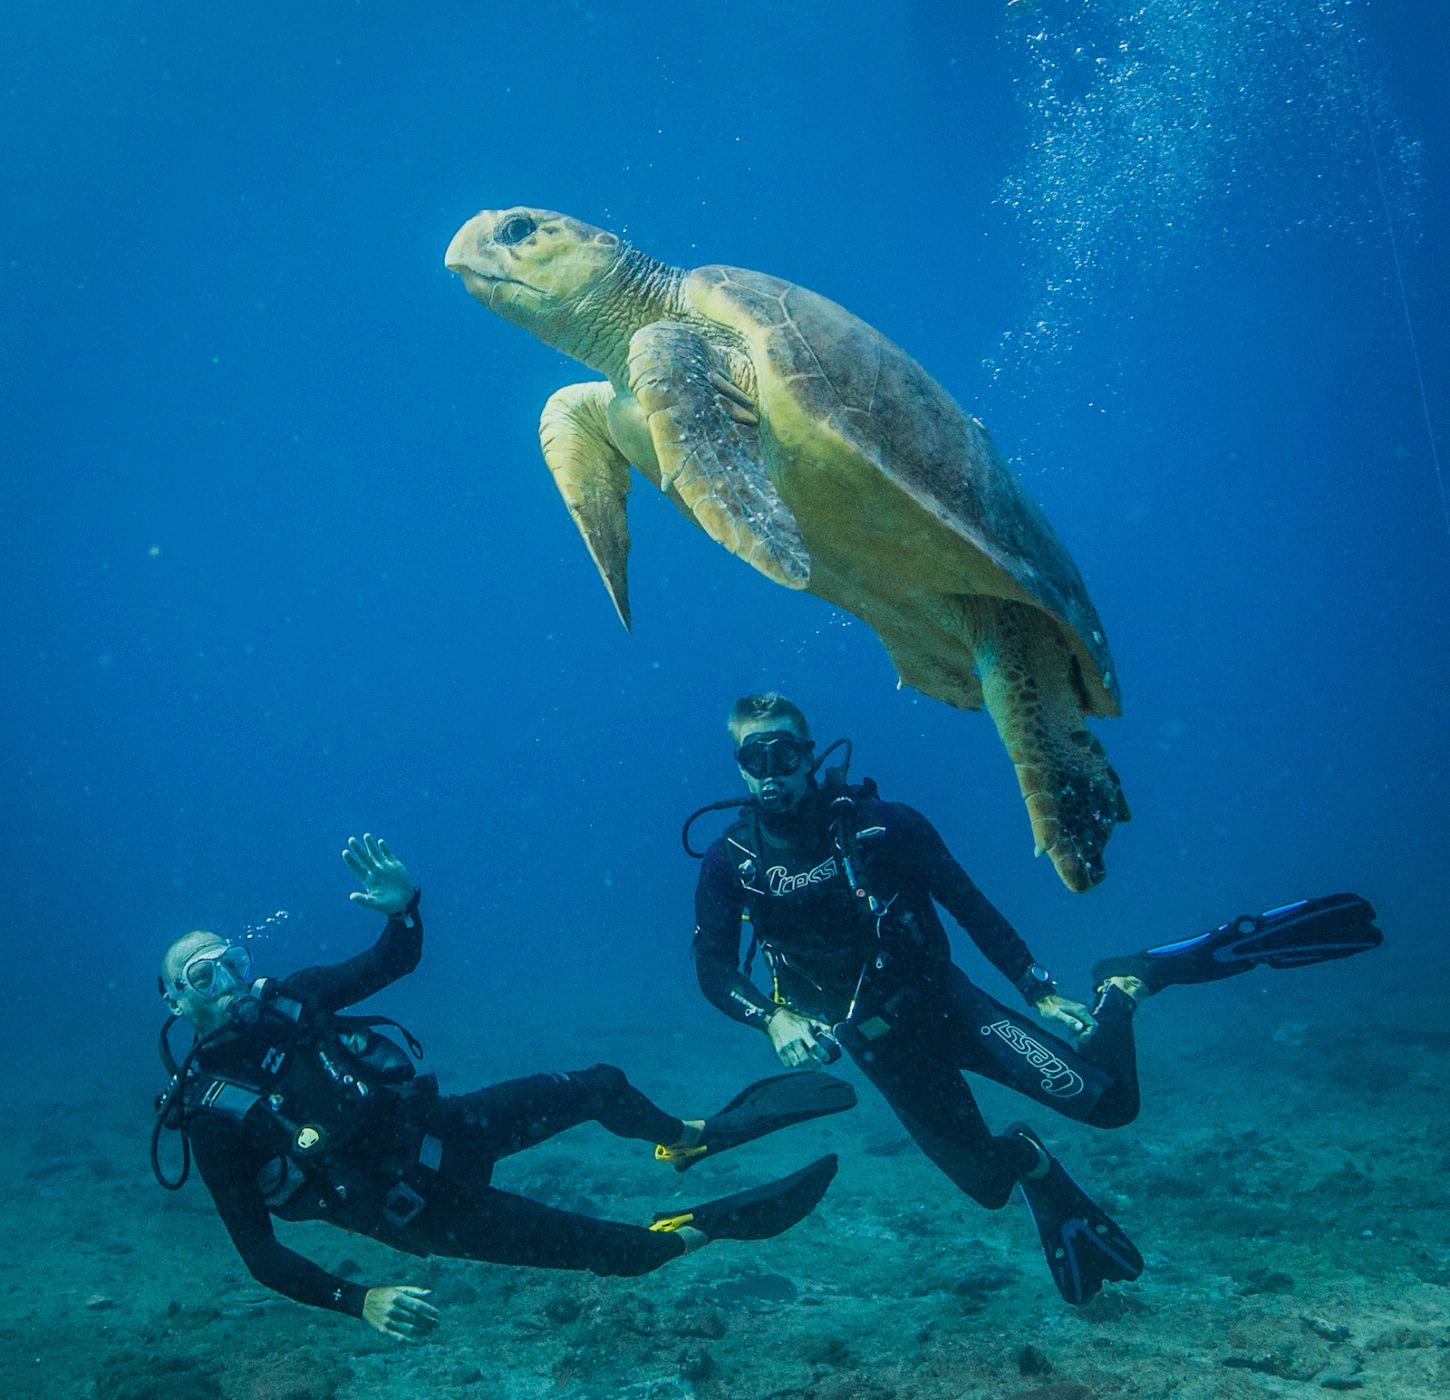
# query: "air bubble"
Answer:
x=269 y=925
x=1148 y=119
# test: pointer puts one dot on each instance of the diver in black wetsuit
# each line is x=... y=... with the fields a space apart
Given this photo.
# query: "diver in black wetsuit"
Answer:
x=907 y=1014
x=840 y=891
x=295 y=1111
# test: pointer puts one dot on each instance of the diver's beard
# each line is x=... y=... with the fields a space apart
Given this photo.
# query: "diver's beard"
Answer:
x=778 y=799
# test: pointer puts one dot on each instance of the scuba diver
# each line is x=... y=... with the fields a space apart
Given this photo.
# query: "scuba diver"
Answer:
x=840 y=891
x=293 y=1110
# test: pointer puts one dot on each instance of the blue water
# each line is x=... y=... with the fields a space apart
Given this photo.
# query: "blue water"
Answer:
x=283 y=562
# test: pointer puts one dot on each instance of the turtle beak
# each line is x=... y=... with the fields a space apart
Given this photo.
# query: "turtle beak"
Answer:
x=471 y=249
x=471 y=258
x=478 y=286
x=456 y=258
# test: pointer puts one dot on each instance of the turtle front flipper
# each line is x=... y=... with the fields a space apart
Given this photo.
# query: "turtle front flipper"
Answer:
x=1034 y=693
x=593 y=477
x=706 y=440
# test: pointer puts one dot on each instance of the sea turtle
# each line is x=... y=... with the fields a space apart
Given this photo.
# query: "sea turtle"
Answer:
x=808 y=444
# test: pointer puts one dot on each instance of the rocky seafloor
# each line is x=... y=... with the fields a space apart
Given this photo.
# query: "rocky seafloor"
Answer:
x=1287 y=1183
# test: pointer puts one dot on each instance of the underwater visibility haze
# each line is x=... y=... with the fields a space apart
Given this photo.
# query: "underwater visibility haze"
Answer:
x=286 y=566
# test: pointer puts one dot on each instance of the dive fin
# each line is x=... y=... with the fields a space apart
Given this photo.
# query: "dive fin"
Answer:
x=1293 y=935
x=759 y=1213
x=765 y=1107
x=1085 y=1247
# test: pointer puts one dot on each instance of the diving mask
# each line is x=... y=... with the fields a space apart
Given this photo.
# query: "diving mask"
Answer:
x=773 y=755
x=212 y=972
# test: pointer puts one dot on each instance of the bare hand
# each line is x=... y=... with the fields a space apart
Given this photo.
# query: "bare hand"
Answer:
x=793 y=1036
x=400 y=1312
x=387 y=886
x=1071 y=1015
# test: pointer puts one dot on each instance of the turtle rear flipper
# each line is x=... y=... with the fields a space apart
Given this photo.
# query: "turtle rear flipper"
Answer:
x=708 y=449
x=1033 y=693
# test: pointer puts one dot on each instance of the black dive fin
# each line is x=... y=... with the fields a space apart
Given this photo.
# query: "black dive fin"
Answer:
x=1084 y=1245
x=1293 y=935
x=765 y=1107
x=762 y=1211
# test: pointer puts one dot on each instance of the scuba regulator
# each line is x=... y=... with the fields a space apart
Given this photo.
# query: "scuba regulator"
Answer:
x=834 y=778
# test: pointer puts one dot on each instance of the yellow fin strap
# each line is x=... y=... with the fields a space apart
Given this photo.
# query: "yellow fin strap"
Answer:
x=674 y=1222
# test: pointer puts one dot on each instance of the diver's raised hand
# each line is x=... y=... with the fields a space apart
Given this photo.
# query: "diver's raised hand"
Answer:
x=793 y=1036
x=400 y=1311
x=387 y=886
x=1072 y=1016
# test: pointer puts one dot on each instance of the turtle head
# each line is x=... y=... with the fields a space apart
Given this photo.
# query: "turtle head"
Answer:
x=533 y=267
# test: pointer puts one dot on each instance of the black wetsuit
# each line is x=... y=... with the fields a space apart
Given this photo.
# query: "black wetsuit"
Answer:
x=441 y=1148
x=910 y=1018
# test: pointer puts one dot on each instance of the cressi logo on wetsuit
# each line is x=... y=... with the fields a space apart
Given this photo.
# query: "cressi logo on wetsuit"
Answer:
x=822 y=922
x=1058 y=1079
x=779 y=881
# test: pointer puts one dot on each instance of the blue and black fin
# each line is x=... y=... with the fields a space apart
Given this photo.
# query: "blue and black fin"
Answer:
x=1293 y=935
x=1085 y=1247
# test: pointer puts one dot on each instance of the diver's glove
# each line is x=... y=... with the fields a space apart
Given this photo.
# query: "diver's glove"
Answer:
x=793 y=1037
x=387 y=886
x=1071 y=1016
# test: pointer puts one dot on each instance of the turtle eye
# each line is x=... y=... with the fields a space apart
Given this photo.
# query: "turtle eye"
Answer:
x=514 y=229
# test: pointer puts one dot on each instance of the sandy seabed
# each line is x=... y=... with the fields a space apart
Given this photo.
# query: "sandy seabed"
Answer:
x=1288 y=1189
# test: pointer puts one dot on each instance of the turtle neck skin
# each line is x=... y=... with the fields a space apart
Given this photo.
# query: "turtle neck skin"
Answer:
x=635 y=291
